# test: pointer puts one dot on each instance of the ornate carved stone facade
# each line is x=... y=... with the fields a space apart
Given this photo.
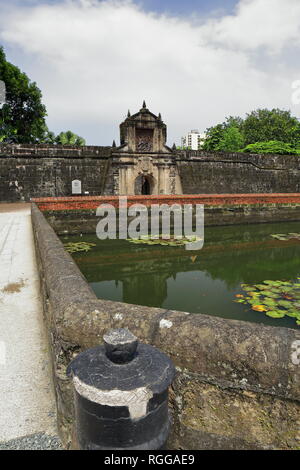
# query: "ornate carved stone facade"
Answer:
x=143 y=163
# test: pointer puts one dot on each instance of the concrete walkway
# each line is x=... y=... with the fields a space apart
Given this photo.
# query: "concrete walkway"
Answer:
x=27 y=403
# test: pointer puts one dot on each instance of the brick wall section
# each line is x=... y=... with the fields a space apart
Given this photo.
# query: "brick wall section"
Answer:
x=89 y=202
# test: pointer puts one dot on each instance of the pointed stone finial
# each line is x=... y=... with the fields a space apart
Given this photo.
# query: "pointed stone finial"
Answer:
x=114 y=144
x=144 y=104
x=128 y=114
x=174 y=147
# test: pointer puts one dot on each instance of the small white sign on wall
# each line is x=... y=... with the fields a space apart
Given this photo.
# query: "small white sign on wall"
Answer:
x=76 y=187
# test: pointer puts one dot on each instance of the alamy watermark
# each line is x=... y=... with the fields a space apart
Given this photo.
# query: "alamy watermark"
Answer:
x=2 y=93
x=2 y=353
x=295 y=356
x=178 y=222
x=296 y=92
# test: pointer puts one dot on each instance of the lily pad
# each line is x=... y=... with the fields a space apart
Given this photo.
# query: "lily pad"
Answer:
x=78 y=247
x=259 y=308
x=275 y=314
x=147 y=240
x=286 y=236
x=275 y=298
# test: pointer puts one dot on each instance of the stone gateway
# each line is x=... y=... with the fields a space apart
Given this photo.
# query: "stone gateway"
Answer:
x=143 y=163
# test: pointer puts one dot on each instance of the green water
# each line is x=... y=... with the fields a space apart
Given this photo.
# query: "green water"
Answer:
x=204 y=281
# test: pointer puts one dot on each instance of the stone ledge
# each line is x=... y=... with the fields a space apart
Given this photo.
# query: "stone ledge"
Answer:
x=222 y=200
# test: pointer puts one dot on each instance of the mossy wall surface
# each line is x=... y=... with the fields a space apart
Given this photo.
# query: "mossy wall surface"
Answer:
x=44 y=170
x=220 y=172
x=28 y=171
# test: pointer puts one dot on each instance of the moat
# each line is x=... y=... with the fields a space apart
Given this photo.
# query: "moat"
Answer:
x=210 y=281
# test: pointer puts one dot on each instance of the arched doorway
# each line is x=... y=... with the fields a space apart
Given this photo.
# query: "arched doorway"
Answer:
x=143 y=185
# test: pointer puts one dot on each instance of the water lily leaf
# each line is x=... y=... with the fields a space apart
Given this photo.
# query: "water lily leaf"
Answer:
x=271 y=283
x=269 y=293
x=275 y=298
x=286 y=236
x=295 y=235
x=253 y=301
x=288 y=297
x=275 y=314
x=293 y=314
x=284 y=303
x=77 y=247
x=272 y=295
x=270 y=302
x=280 y=236
x=259 y=308
x=164 y=240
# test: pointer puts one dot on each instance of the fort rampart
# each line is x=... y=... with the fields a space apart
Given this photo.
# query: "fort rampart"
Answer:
x=28 y=171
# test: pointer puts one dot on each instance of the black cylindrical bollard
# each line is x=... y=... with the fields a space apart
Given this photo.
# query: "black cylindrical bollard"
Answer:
x=121 y=394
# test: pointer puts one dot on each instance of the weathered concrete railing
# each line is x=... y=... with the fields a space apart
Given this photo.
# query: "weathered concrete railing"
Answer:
x=237 y=385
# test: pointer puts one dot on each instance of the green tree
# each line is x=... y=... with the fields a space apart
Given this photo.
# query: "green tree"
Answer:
x=234 y=121
x=22 y=117
x=232 y=140
x=49 y=138
x=295 y=136
x=69 y=138
x=272 y=146
x=216 y=134
x=264 y=125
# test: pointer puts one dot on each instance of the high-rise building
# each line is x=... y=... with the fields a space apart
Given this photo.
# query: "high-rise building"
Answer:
x=193 y=140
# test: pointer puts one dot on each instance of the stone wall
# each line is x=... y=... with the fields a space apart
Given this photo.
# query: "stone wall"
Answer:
x=218 y=173
x=28 y=171
x=237 y=384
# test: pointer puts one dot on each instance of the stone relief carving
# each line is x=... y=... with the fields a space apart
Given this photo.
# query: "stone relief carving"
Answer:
x=144 y=140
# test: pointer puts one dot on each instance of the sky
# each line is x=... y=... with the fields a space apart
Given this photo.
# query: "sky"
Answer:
x=194 y=61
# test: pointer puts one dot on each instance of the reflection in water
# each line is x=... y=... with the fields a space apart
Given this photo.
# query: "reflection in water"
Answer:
x=200 y=282
x=146 y=289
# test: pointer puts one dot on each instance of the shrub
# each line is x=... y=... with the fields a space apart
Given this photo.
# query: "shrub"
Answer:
x=271 y=147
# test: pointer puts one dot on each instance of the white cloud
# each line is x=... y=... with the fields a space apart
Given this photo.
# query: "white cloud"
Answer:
x=94 y=60
x=272 y=24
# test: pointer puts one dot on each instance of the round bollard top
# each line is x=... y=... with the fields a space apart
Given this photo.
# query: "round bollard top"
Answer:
x=120 y=345
x=124 y=364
